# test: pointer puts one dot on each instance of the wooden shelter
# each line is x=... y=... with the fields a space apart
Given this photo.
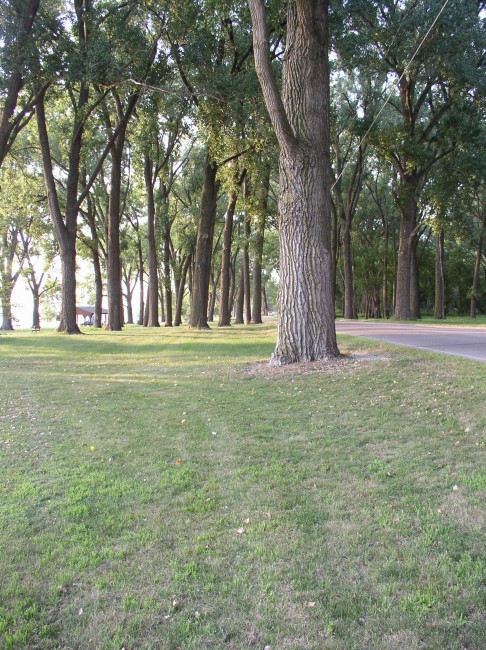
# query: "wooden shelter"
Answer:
x=88 y=313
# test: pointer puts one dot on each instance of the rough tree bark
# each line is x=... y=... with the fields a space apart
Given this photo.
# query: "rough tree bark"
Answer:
x=204 y=244
x=408 y=208
x=300 y=117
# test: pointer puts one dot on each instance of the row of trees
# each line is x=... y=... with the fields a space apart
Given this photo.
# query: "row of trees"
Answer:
x=148 y=132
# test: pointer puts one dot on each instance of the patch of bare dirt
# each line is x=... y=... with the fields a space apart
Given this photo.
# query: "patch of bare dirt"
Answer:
x=343 y=363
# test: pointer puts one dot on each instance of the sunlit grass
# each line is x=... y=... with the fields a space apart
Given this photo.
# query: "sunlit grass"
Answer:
x=160 y=489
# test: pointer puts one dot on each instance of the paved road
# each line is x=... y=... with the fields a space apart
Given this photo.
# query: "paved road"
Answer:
x=456 y=341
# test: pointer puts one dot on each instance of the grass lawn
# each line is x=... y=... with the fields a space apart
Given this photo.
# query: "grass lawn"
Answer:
x=162 y=489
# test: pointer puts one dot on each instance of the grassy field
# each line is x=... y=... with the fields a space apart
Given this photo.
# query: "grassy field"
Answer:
x=167 y=489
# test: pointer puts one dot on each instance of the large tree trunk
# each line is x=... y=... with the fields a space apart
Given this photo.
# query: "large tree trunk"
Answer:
x=404 y=268
x=439 y=307
x=68 y=321
x=204 y=245
x=113 y=264
x=153 y=282
x=306 y=329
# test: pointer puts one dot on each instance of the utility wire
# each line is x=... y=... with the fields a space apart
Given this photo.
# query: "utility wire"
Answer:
x=406 y=68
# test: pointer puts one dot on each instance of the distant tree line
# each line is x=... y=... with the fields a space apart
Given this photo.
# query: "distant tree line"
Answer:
x=199 y=154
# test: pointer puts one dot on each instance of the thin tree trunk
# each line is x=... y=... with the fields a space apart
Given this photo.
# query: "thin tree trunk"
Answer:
x=334 y=251
x=224 y=292
x=162 y=307
x=181 y=291
x=246 y=270
x=477 y=268
x=256 y=311
x=167 y=275
x=95 y=258
x=213 y=296
x=262 y=206
x=439 y=307
x=348 y=270
x=141 y=308
x=240 y=299
x=265 y=302
x=414 y=281
x=146 y=310
x=233 y=282
x=153 y=282
x=385 y=272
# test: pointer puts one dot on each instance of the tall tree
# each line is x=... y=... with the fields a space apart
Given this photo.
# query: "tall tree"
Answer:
x=300 y=117
x=433 y=53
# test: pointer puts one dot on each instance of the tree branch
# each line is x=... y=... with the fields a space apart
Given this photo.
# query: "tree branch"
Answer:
x=268 y=83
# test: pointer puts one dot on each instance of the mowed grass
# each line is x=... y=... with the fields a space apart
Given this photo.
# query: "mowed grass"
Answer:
x=162 y=489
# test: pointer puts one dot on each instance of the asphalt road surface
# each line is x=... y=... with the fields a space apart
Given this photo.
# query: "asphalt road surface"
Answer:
x=469 y=343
